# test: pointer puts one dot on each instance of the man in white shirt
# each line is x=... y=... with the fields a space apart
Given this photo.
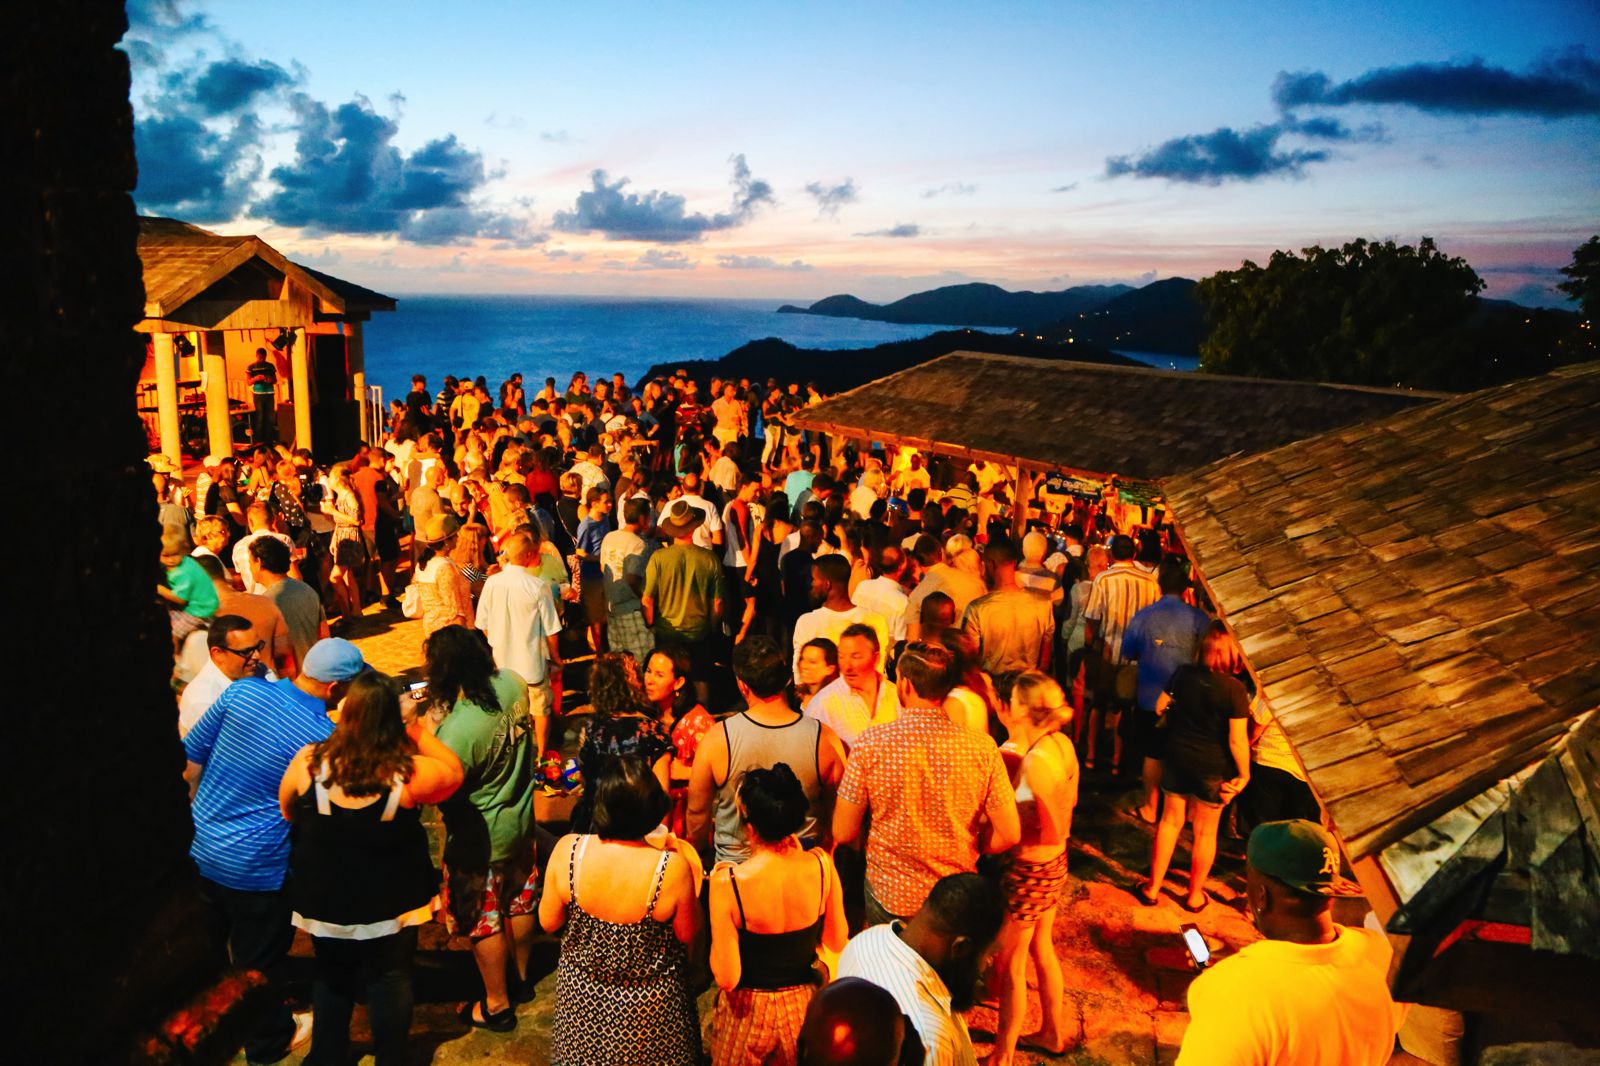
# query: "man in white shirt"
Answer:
x=930 y=963
x=709 y=534
x=869 y=492
x=860 y=697
x=260 y=526
x=591 y=472
x=882 y=594
x=723 y=471
x=517 y=612
x=235 y=651
x=835 y=612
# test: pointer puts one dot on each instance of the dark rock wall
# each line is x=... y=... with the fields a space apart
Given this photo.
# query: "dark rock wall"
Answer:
x=103 y=934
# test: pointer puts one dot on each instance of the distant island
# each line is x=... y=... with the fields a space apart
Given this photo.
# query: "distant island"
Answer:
x=1164 y=316
x=835 y=370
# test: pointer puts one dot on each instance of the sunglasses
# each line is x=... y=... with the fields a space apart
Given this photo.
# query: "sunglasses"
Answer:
x=246 y=653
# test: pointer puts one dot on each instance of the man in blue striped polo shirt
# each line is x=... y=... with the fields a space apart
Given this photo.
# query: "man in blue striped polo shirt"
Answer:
x=238 y=753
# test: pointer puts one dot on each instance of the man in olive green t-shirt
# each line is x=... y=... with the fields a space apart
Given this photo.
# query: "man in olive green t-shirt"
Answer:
x=683 y=591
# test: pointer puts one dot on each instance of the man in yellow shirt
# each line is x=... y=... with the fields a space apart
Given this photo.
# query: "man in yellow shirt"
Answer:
x=1312 y=993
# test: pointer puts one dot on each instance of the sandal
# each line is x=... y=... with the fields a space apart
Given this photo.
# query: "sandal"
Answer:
x=1146 y=900
x=503 y=1022
x=1133 y=814
x=522 y=989
x=1206 y=902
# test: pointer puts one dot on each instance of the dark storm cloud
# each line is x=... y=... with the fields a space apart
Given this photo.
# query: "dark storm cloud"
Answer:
x=189 y=170
x=904 y=229
x=347 y=176
x=1564 y=85
x=1224 y=154
x=659 y=217
x=231 y=84
x=830 y=198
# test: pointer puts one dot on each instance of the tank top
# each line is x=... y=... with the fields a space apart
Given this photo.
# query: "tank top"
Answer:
x=769 y=961
x=358 y=873
x=752 y=746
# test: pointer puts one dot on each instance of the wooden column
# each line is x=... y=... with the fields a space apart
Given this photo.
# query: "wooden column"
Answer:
x=1022 y=493
x=214 y=371
x=355 y=356
x=167 y=396
x=300 y=377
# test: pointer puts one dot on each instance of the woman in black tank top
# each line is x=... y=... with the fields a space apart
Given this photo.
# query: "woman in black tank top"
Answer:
x=769 y=916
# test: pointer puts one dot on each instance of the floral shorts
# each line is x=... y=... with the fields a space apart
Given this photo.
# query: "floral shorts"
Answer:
x=476 y=903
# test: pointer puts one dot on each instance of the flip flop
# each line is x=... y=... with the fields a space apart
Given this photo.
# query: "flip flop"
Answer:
x=1040 y=1049
x=1146 y=900
x=503 y=1022
x=1132 y=814
x=1184 y=903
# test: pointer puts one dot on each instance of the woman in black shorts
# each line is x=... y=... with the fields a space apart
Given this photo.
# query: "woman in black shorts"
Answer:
x=1204 y=714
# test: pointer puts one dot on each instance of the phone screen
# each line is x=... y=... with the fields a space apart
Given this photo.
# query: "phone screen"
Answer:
x=418 y=690
x=1196 y=943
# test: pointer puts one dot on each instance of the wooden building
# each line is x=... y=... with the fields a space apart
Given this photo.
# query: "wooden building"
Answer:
x=210 y=302
x=1091 y=419
x=1419 y=598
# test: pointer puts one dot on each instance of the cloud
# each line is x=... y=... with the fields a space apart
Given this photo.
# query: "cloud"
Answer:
x=201 y=138
x=1563 y=85
x=557 y=137
x=655 y=216
x=830 y=198
x=1068 y=187
x=904 y=229
x=231 y=84
x=662 y=259
x=952 y=188
x=1226 y=154
x=348 y=177
x=497 y=121
x=759 y=262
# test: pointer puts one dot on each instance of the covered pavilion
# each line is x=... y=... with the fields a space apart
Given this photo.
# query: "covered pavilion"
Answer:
x=211 y=301
x=1419 y=598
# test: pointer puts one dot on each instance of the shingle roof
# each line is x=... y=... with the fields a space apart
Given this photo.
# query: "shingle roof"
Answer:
x=181 y=260
x=1134 y=421
x=1420 y=598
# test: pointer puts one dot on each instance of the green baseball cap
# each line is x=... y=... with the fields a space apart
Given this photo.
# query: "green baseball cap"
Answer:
x=1302 y=855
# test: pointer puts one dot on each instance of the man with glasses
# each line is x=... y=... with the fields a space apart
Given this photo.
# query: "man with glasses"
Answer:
x=235 y=651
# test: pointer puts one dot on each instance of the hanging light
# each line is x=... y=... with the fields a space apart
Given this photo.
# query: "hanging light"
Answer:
x=183 y=345
x=284 y=339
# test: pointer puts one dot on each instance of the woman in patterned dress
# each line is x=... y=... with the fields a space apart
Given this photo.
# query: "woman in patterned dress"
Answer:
x=630 y=912
x=1044 y=771
x=347 y=547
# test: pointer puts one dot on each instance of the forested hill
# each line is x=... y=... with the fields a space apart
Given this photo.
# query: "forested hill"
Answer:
x=837 y=370
x=969 y=305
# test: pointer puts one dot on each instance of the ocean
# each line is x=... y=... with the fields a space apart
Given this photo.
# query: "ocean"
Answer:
x=553 y=336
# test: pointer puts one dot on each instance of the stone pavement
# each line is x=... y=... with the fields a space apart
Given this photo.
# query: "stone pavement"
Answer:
x=1125 y=967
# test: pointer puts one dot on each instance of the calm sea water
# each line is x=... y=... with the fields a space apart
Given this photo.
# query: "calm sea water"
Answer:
x=556 y=335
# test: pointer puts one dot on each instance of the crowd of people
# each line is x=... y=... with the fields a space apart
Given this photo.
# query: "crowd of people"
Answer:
x=838 y=706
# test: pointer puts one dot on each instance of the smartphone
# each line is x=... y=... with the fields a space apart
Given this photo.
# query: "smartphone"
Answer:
x=1195 y=942
x=418 y=690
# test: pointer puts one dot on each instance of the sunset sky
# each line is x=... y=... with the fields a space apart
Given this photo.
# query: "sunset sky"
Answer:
x=798 y=150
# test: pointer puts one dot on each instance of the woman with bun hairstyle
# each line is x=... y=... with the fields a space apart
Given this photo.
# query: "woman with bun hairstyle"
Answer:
x=1044 y=771
x=769 y=914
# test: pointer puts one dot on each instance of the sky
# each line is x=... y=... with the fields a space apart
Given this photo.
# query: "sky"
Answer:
x=798 y=150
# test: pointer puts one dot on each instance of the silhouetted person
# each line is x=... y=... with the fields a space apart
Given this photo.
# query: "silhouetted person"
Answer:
x=853 y=1022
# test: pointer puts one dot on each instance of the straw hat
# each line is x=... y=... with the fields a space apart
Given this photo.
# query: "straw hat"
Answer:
x=681 y=517
x=438 y=529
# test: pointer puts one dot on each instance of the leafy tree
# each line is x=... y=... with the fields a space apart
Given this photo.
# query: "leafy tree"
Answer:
x=1368 y=313
x=1584 y=270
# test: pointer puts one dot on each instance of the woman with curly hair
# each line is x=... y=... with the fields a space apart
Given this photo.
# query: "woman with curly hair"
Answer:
x=490 y=876
x=622 y=722
x=360 y=876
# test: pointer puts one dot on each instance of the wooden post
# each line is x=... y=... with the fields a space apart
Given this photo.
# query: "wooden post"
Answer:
x=1023 y=492
x=300 y=375
x=167 y=397
x=214 y=369
x=355 y=355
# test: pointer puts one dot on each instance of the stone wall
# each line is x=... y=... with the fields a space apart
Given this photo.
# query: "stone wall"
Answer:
x=104 y=934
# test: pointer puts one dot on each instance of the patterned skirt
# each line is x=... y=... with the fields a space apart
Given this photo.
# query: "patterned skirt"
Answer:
x=1032 y=888
x=752 y=1027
